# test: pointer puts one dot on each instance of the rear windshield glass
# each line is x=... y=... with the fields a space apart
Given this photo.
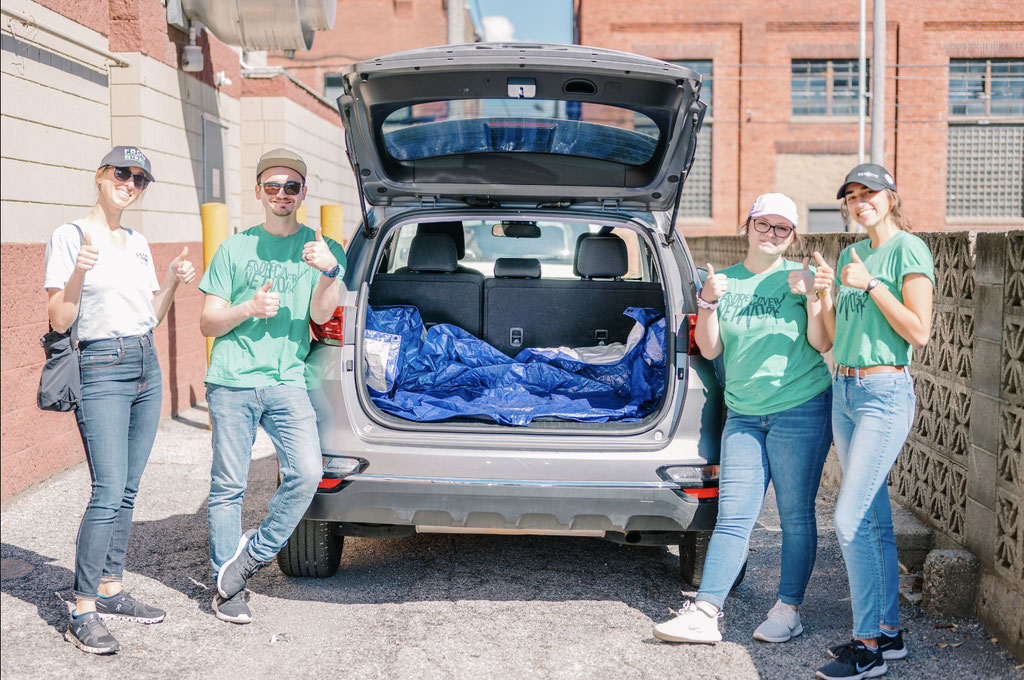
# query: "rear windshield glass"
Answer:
x=449 y=128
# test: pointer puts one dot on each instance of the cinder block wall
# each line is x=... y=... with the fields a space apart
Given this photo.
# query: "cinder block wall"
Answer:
x=961 y=470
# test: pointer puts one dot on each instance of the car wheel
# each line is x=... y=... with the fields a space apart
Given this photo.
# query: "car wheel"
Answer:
x=314 y=549
x=693 y=550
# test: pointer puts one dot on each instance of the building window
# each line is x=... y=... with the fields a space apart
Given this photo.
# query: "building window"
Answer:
x=985 y=139
x=824 y=87
x=333 y=86
x=696 y=199
x=823 y=219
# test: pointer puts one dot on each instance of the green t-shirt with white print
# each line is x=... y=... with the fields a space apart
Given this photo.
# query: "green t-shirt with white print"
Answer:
x=863 y=335
x=264 y=352
x=769 y=365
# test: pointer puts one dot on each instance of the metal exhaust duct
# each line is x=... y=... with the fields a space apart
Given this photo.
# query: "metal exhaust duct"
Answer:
x=258 y=25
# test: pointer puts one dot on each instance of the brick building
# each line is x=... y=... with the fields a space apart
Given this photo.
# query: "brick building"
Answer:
x=783 y=90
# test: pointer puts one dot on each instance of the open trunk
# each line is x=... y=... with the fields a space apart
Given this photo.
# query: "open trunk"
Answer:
x=517 y=323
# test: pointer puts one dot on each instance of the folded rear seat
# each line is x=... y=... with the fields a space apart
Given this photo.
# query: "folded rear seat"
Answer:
x=434 y=284
x=522 y=310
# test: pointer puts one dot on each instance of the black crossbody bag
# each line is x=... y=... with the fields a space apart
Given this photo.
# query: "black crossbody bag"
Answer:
x=60 y=383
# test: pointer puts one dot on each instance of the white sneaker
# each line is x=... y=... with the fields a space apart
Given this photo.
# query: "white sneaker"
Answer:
x=783 y=623
x=693 y=624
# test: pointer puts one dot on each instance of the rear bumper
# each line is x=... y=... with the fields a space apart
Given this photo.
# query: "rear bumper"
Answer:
x=533 y=506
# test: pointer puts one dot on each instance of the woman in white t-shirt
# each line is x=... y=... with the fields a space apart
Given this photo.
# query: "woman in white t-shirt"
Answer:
x=101 y=275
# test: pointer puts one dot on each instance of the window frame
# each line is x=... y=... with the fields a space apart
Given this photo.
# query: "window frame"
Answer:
x=986 y=99
x=829 y=76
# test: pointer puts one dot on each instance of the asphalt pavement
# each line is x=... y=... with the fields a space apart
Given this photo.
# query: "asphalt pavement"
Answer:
x=429 y=606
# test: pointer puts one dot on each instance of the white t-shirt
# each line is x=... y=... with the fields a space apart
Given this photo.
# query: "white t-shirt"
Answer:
x=117 y=294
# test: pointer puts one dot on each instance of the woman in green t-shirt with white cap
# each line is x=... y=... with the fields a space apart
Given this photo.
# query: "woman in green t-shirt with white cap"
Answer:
x=883 y=310
x=764 y=317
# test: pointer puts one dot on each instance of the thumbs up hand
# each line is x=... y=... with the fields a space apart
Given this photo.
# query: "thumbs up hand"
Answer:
x=715 y=285
x=855 y=274
x=265 y=304
x=87 y=253
x=317 y=255
x=182 y=268
x=824 y=274
x=801 y=281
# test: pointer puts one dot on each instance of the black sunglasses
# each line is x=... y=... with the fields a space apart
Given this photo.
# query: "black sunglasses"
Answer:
x=125 y=174
x=290 y=188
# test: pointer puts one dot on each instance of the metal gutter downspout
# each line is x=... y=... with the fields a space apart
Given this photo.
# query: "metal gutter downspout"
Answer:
x=32 y=23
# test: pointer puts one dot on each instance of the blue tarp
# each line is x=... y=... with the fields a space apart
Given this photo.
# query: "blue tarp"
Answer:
x=445 y=372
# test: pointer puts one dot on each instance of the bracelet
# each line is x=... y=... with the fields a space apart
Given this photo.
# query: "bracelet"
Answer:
x=704 y=304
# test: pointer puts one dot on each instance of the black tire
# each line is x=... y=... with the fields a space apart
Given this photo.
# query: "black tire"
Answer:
x=693 y=550
x=314 y=549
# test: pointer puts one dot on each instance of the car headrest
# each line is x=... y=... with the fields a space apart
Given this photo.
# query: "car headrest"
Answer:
x=432 y=253
x=517 y=268
x=453 y=229
x=600 y=257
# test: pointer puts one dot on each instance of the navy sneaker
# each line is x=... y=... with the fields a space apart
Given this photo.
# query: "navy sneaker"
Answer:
x=892 y=647
x=854 y=661
x=124 y=606
x=232 y=610
x=88 y=633
x=236 y=572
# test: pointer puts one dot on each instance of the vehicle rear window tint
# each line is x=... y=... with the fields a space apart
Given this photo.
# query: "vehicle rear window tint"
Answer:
x=447 y=128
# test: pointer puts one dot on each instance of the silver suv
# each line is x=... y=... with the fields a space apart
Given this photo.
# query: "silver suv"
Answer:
x=557 y=169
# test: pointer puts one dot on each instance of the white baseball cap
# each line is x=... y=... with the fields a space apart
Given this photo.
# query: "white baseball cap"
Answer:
x=775 y=204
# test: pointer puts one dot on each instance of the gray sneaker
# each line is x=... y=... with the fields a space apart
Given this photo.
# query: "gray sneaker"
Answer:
x=88 y=633
x=124 y=606
x=232 y=610
x=237 y=571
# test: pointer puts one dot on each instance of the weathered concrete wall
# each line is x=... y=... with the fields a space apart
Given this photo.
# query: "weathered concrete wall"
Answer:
x=961 y=470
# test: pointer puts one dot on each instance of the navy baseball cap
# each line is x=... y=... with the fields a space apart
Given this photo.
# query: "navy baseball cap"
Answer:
x=873 y=176
x=125 y=156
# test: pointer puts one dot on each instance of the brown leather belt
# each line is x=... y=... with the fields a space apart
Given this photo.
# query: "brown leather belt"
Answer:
x=853 y=372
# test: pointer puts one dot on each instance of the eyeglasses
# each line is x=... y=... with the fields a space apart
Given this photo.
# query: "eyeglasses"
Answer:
x=290 y=188
x=780 y=230
x=125 y=174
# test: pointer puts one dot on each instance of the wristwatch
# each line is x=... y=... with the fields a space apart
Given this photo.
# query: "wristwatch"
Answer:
x=333 y=273
x=871 y=285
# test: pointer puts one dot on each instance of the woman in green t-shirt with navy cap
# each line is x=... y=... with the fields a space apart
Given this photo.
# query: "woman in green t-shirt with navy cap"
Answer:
x=764 y=317
x=883 y=309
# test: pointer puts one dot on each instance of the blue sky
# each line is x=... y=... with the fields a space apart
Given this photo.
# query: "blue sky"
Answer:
x=523 y=20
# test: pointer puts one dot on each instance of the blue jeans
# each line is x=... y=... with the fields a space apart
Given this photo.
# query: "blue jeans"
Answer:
x=871 y=418
x=286 y=414
x=787 y=448
x=117 y=418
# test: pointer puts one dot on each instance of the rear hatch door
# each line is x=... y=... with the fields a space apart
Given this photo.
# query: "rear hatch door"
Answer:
x=503 y=125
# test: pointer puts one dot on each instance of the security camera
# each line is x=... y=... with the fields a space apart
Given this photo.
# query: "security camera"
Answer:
x=191 y=58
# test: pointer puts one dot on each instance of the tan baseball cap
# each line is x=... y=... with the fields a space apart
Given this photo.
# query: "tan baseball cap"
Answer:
x=281 y=158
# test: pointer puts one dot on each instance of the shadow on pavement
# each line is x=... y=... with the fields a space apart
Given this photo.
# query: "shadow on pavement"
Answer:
x=33 y=578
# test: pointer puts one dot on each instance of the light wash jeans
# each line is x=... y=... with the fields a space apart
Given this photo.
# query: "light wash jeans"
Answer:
x=286 y=414
x=787 y=448
x=871 y=418
x=117 y=418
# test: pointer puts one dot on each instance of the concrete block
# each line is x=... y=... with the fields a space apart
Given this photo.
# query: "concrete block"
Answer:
x=950 y=583
x=985 y=419
x=981 y=477
x=989 y=258
x=980 y=531
x=913 y=539
x=986 y=364
x=988 y=311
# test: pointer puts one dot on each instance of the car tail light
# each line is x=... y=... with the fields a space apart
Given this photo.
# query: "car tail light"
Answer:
x=699 y=482
x=328 y=483
x=333 y=328
x=691 y=342
x=710 y=492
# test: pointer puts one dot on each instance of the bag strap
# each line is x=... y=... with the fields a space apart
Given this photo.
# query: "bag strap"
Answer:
x=74 y=326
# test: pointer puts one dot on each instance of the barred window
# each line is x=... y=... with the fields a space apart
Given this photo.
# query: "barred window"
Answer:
x=824 y=87
x=696 y=199
x=985 y=171
x=985 y=150
x=986 y=87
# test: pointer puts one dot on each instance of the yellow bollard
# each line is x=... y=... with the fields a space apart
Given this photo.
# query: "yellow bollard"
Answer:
x=330 y=220
x=215 y=231
x=300 y=214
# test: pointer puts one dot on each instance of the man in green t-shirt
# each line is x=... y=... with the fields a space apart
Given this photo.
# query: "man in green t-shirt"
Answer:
x=262 y=288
